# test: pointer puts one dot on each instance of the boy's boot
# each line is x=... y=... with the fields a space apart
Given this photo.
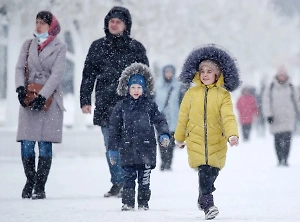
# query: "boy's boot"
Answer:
x=29 y=169
x=143 y=199
x=128 y=199
x=207 y=204
x=42 y=173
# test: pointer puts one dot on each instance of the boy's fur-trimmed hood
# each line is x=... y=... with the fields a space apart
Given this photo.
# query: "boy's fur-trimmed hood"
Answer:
x=135 y=68
x=222 y=57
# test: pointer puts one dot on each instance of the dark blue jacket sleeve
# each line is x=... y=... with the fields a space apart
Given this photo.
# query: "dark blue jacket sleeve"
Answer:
x=115 y=127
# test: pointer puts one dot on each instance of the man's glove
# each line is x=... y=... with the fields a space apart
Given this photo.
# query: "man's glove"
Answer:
x=164 y=140
x=113 y=156
x=181 y=145
x=38 y=103
x=270 y=119
x=21 y=95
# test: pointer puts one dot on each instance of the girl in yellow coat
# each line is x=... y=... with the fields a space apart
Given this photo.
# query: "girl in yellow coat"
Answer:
x=206 y=119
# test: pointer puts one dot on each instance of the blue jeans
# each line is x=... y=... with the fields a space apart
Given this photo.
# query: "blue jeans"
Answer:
x=116 y=171
x=27 y=149
x=141 y=172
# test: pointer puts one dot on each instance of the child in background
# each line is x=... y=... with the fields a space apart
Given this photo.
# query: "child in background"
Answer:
x=248 y=110
x=206 y=119
x=132 y=132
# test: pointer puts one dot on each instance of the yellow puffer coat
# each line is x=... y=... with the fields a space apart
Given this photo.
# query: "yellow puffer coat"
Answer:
x=206 y=121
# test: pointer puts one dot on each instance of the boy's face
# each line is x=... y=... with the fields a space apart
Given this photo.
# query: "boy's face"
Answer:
x=207 y=75
x=135 y=90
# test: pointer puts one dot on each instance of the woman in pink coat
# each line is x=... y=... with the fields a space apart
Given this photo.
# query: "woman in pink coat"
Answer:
x=45 y=57
x=248 y=109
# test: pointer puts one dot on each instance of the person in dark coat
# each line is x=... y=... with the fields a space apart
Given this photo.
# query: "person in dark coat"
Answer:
x=46 y=56
x=105 y=61
x=132 y=130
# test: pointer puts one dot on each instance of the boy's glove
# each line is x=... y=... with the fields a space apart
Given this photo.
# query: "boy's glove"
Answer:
x=164 y=140
x=181 y=145
x=270 y=119
x=233 y=141
x=21 y=95
x=113 y=155
x=38 y=103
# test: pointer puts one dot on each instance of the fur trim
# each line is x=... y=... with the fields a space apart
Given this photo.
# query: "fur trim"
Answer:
x=135 y=68
x=222 y=57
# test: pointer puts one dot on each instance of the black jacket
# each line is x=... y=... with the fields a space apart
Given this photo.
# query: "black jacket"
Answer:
x=105 y=61
x=132 y=130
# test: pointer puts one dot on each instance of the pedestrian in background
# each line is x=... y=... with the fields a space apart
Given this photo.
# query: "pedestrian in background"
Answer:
x=45 y=61
x=248 y=110
x=167 y=98
x=132 y=131
x=105 y=61
x=281 y=107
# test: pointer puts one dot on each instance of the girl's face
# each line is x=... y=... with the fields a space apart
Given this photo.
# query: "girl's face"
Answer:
x=116 y=26
x=136 y=90
x=41 y=26
x=207 y=75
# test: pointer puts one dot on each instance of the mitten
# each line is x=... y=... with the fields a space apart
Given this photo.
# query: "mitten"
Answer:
x=113 y=156
x=164 y=140
x=270 y=119
x=38 y=103
x=181 y=145
x=21 y=95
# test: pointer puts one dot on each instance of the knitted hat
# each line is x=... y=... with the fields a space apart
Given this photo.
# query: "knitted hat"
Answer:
x=137 y=79
x=46 y=16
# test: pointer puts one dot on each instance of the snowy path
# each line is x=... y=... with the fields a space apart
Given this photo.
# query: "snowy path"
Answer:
x=250 y=188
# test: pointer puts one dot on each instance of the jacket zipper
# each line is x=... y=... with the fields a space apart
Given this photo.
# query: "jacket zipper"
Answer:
x=205 y=126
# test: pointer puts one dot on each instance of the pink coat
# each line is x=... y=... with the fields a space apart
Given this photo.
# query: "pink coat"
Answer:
x=46 y=68
x=247 y=108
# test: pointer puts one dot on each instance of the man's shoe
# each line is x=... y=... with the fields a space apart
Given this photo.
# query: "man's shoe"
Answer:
x=115 y=191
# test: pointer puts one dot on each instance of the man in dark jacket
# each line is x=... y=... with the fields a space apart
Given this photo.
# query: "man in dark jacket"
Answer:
x=105 y=61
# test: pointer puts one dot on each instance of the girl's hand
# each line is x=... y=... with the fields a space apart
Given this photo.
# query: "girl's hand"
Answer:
x=233 y=141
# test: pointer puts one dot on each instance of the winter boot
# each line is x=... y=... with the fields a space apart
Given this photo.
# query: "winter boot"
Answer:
x=42 y=173
x=115 y=191
x=207 y=204
x=128 y=199
x=29 y=169
x=143 y=199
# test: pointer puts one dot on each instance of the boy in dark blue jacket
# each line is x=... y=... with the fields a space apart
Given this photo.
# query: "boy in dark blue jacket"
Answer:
x=132 y=132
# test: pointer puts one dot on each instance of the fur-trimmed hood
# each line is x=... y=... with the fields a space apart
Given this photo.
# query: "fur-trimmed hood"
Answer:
x=135 y=68
x=222 y=57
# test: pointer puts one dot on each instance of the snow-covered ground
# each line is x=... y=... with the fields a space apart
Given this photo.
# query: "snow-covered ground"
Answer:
x=250 y=188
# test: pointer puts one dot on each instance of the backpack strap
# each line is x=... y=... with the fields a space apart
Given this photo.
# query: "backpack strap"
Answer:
x=168 y=97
